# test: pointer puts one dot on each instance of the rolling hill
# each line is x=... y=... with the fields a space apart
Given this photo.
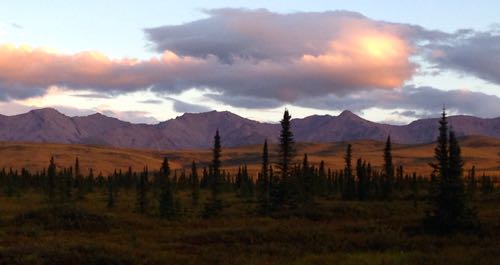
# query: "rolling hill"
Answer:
x=484 y=152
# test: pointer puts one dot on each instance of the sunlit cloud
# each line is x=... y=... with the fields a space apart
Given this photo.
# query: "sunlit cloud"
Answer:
x=256 y=60
x=354 y=53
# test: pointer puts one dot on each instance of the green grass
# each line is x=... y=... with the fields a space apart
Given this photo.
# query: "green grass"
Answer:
x=331 y=232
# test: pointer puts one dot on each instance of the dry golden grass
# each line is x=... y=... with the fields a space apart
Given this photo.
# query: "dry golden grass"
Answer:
x=483 y=152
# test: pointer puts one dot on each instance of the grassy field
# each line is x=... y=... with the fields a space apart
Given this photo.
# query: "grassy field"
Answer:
x=329 y=232
x=482 y=152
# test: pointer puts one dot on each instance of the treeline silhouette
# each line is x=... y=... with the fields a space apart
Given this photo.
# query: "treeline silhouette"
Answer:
x=289 y=184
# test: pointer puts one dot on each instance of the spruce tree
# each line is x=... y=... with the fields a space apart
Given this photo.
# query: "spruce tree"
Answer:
x=246 y=188
x=214 y=205
x=321 y=183
x=388 y=171
x=400 y=183
x=195 y=184
x=264 y=184
x=90 y=181
x=10 y=189
x=415 y=189
x=167 y=208
x=349 y=185
x=287 y=193
x=51 y=182
x=450 y=210
x=286 y=146
x=77 y=167
x=79 y=182
x=306 y=183
x=487 y=185
x=65 y=187
x=472 y=183
x=216 y=168
x=363 y=180
x=238 y=181
x=142 y=192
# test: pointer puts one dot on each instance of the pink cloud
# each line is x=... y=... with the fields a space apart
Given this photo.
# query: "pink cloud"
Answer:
x=261 y=54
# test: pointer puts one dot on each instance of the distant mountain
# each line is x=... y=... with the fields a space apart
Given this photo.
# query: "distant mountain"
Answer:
x=197 y=130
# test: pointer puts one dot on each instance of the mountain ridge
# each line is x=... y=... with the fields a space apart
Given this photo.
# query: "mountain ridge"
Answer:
x=195 y=130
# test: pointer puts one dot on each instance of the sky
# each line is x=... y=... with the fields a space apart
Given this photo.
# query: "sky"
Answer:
x=149 y=61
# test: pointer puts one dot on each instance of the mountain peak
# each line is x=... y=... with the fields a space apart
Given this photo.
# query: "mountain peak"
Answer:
x=208 y=115
x=46 y=111
x=97 y=114
x=348 y=114
x=104 y=118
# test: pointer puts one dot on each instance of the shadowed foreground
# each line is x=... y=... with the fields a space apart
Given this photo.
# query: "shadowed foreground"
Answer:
x=330 y=232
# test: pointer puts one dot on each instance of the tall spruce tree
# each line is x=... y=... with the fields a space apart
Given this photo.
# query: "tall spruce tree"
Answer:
x=142 y=192
x=321 y=183
x=214 y=205
x=287 y=193
x=450 y=210
x=306 y=183
x=363 y=180
x=246 y=188
x=216 y=168
x=167 y=208
x=51 y=184
x=388 y=171
x=195 y=184
x=77 y=167
x=349 y=184
x=264 y=184
x=286 y=146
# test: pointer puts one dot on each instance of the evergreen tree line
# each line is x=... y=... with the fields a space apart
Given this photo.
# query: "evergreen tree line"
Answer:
x=287 y=183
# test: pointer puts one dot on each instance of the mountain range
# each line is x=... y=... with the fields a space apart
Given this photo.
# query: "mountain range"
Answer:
x=197 y=130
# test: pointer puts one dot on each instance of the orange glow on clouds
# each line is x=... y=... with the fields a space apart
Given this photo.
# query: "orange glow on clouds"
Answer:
x=384 y=46
x=369 y=59
x=357 y=59
x=34 y=67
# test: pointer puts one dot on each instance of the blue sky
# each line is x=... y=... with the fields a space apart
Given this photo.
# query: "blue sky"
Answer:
x=81 y=25
x=117 y=30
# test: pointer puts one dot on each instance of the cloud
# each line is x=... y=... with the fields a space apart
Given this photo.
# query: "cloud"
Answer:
x=184 y=107
x=13 y=108
x=236 y=52
x=246 y=101
x=28 y=72
x=263 y=35
x=420 y=101
x=470 y=52
x=92 y=95
x=288 y=56
x=16 y=26
x=151 y=101
x=261 y=59
x=131 y=116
